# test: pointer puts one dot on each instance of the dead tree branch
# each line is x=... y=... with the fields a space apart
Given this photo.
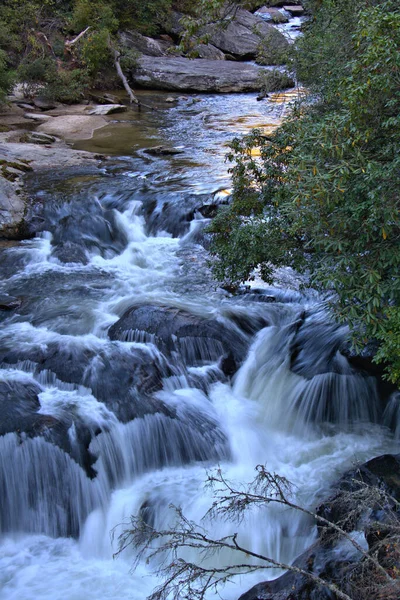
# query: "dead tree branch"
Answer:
x=70 y=43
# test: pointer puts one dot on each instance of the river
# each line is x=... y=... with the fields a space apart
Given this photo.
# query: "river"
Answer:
x=109 y=428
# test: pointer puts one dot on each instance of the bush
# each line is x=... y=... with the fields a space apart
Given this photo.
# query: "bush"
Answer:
x=274 y=80
x=6 y=77
x=327 y=181
x=67 y=86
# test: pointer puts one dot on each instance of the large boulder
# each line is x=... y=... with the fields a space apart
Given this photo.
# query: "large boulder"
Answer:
x=208 y=51
x=197 y=340
x=243 y=35
x=122 y=378
x=184 y=74
x=12 y=210
x=20 y=406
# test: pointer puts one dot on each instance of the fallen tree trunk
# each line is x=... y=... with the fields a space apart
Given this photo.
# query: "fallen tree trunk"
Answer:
x=117 y=57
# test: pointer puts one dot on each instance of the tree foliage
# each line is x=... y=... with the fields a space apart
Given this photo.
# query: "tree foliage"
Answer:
x=322 y=194
x=34 y=38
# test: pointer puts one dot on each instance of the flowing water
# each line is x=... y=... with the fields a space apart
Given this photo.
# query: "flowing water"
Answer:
x=101 y=426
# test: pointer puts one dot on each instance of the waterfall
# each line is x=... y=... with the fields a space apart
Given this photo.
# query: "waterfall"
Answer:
x=98 y=427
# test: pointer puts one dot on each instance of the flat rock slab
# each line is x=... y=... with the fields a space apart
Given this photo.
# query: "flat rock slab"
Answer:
x=296 y=11
x=37 y=117
x=198 y=75
x=73 y=127
x=40 y=157
x=107 y=109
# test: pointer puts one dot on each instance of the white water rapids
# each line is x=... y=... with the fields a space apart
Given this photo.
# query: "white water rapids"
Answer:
x=308 y=424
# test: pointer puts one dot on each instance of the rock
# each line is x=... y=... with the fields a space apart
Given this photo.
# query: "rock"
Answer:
x=70 y=252
x=146 y=45
x=382 y=472
x=243 y=35
x=173 y=212
x=273 y=50
x=272 y=14
x=110 y=99
x=38 y=117
x=123 y=378
x=73 y=127
x=25 y=105
x=107 y=109
x=208 y=51
x=162 y=151
x=43 y=103
x=9 y=302
x=282 y=3
x=173 y=26
x=170 y=99
x=18 y=402
x=12 y=210
x=183 y=74
x=196 y=339
x=39 y=138
x=295 y=11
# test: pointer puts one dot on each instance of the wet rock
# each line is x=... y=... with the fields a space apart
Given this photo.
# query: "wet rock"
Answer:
x=196 y=339
x=12 y=210
x=44 y=103
x=174 y=212
x=163 y=150
x=184 y=74
x=382 y=472
x=272 y=14
x=18 y=402
x=107 y=109
x=69 y=252
x=9 y=302
x=124 y=379
x=293 y=586
x=19 y=406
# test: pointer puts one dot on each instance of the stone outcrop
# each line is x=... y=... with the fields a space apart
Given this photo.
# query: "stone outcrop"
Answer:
x=145 y=45
x=12 y=210
x=73 y=127
x=184 y=74
x=197 y=340
x=208 y=51
x=17 y=159
x=243 y=35
x=107 y=109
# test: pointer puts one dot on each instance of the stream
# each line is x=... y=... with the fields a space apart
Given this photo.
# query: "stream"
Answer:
x=127 y=373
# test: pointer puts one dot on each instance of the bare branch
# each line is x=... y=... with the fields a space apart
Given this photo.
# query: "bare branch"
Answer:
x=189 y=581
x=70 y=43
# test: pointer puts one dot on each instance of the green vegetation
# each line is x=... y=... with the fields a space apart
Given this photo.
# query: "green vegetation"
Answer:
x=41 y=46
x=322 y=195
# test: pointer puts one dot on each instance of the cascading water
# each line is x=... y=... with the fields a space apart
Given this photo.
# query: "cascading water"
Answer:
x=125 y=375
